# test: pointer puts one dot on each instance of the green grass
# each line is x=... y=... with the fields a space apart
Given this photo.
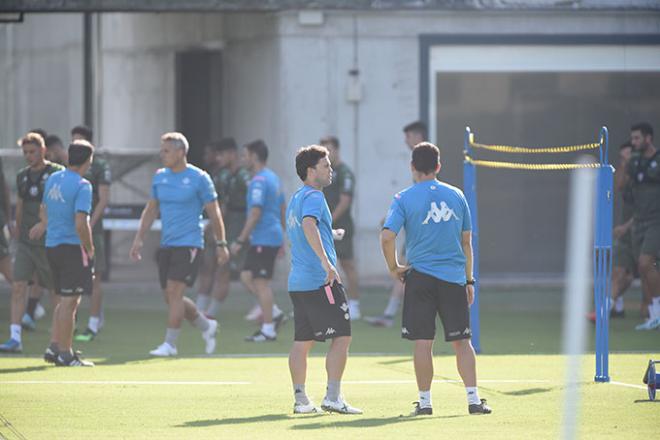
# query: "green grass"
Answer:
x=521 y=339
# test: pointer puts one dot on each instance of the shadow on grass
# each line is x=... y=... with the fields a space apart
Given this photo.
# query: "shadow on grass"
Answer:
x=647 y=401
x=361 y=422
x=122 y=360
x=24 y=369
x=526 y=392
x=240 y=420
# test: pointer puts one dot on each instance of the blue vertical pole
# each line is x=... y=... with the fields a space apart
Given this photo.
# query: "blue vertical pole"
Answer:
x=603 y=258
x=470 y=189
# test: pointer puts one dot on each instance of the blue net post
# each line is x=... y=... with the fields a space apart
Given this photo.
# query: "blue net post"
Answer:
x=603 y=258
x=470 y=189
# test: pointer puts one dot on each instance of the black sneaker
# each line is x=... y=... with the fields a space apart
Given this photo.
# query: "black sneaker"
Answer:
x=421 y=411
x=50 y=356
x=279 y=320
x=74 y=361
x=480 y=408
x=616 y=314
x=258 y=336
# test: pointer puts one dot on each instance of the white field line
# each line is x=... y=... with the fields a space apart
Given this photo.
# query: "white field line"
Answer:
x=118 y=382
x=629 y=385
x=205 y=383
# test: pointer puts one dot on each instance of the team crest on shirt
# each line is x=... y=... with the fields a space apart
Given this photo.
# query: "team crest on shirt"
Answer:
x=186 y=180
x=34 y=191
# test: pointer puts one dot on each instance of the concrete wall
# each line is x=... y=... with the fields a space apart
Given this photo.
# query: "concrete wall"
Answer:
x=284 y=82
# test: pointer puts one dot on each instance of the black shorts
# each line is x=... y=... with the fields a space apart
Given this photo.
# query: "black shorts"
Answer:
x=72 y=270
x=178 y=264
x=425 y=297
x=260 y=260
x=321 y=314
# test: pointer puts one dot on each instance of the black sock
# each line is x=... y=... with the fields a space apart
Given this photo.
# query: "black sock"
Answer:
x=32 y=306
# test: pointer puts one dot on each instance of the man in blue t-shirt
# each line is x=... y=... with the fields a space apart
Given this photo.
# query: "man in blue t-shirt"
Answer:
x=263 y=230
x=180 y=192
x=65 y=211
x=438 y=279
x=320 y=308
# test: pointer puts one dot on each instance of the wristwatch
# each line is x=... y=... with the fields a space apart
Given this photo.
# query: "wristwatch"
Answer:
x=471 y=282
x=221 y=243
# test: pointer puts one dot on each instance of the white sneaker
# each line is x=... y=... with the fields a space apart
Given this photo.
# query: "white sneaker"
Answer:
x=164 y=350
x=354 y=312
x=39 y=312
x=650 y=324
x=209 y=336
x=254 y=314
x=339 y=406
x=310 y=408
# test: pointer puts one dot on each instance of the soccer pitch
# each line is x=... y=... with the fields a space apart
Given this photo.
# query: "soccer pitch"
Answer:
x=244 y=391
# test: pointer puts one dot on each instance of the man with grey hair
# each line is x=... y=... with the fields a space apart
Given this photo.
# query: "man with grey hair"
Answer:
x=180 y=191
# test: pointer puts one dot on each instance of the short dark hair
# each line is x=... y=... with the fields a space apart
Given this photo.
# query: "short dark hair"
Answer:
x=332 y=140
x=52 y=140
x=417 y=127
x=259 y=148
x=84 y=131
x=79 y=151
x=425 y=157
x=644 y=127
x=226 y=144
x=308 y=157
x=33 y=138
x=39 y=131
x=625 y=145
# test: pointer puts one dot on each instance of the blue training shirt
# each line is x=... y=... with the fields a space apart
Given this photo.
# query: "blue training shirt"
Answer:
x=306 y=270
x=181 y=197
x=66 y=193
x=434 y=215
x=265 y=191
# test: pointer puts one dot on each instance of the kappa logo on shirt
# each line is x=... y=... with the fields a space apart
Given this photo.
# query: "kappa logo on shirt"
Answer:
x=442 y=214
x=292 y=221
x=55 y=193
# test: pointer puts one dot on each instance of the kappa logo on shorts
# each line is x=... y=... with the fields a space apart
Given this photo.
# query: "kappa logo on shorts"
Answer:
x=404 y=331
x=442 y=214
x=263 y=272
x=330 y=331
x=466 y=331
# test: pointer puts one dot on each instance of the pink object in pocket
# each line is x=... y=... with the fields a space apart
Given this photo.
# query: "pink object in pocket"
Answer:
x=85 y=260
x=328 y=293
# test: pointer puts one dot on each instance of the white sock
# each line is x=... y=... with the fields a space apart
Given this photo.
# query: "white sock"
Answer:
x=425 y=399
x=654 y=309
x=202 y=302
x=472 y=396
x=93 y=323
x=392 y=306
x=268 y=329
x=214 y=308
x=651 y=310
x=276 y=310
x=618 y=304
x=15 y=331
x=171 y=334
x=201 y=322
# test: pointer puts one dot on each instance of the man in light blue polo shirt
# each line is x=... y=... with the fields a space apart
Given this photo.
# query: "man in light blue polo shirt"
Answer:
x=263 y=230
x=65 y=211
x=438 y=280
x=320 y=308
x=180 y=192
